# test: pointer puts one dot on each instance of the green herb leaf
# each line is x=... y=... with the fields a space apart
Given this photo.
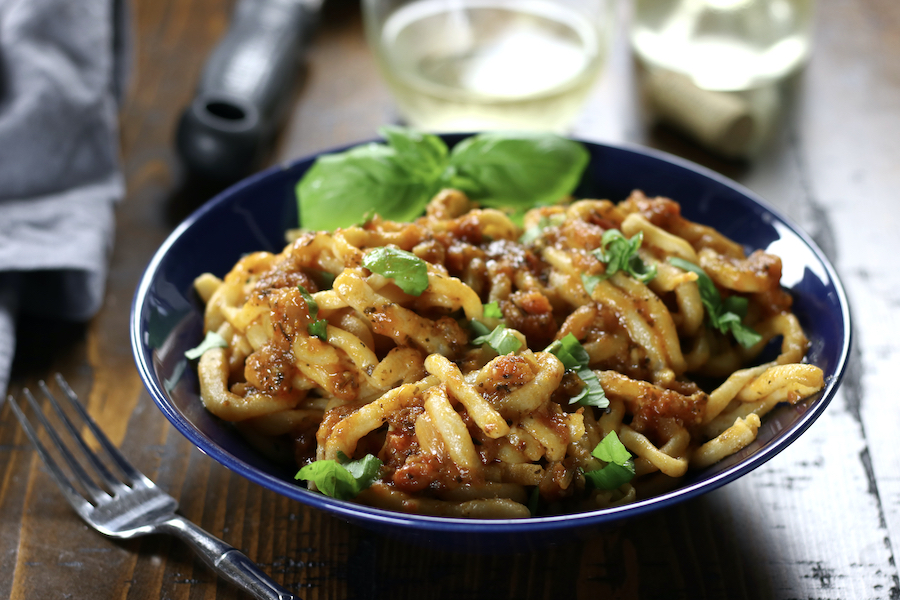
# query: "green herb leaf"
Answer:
x=592 y=393
x=492 y=311
x=408 y=271
x=356 y=182
x=422 y=154
x=569 y=351
x=620 y=464
x=612 y=450
x=317 y=327
x=479 y=329
x=621 y=254
x=501 y=339
x=575 y=358
x=397 y=179
x=323 y=279
x=534 y=232
x=610 y=477
x=341 y=481
x=744 y=335
x=516 y=169
x=212 y=340
x=590 y=282
x=725 y=316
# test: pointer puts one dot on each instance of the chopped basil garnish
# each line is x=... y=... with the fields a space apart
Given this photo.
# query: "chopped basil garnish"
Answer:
x=343 y=480
x=212 y=340
x=725 y=316
x=408 y=271
x=317 y=327
x=575 y=358
x=621 y=254
x=492 y=311
x=535 y=231
x=501 y=339
x=619 y=467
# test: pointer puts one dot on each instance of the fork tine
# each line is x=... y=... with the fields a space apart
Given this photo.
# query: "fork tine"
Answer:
x=133 y=475
x=97 y=494
x=111 y=482
x=72 y=495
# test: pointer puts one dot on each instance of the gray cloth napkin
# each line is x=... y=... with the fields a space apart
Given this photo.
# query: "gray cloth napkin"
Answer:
x=62 y=65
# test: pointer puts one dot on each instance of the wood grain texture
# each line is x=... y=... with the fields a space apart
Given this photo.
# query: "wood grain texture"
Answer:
x=821 y=520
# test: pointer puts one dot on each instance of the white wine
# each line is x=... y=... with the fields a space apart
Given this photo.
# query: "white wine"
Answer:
x=724 y=45
x=492 y=64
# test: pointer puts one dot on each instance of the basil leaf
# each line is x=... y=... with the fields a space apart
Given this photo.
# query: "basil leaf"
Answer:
x=422 y=154
x=744 y=335
x=341 y=481
x=397 y=179
x=364 y=470
x=534 y=232
x=317 y=327
x=408 y=271
x=621 y=254
x=610 y=477
x=575 y=358
x=592 y=393
x=569 y=351
x=340 y=189
x=611 y=450
x=725 y=316
x=212 y=340
x=620 y=464
x=518 y=170
x=708 y=291
x=590 y=282
x=501 y=339
x=492 y=311
x=479 y=328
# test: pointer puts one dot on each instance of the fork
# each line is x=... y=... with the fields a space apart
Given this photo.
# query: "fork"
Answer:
x=129 y=504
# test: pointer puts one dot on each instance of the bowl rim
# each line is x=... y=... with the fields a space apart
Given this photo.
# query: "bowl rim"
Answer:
x=362 y=513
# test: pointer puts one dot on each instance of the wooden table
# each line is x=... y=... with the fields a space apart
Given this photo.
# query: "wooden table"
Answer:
x=821 y=520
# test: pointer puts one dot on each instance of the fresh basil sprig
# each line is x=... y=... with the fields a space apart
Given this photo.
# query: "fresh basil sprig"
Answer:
x=408 y=271
x=575 y=358
x=343 y=479
x=620 y=254
x=726 y=316
x=316 y=327
x=619 y=467
x=515 y=171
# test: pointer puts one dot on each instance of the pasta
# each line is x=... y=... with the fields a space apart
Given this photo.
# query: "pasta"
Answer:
x=327 y=359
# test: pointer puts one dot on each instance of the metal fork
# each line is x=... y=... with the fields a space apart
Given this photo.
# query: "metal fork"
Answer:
x=131 y=505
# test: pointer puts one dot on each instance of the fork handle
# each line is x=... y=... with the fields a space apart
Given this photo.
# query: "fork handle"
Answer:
x=228 y=561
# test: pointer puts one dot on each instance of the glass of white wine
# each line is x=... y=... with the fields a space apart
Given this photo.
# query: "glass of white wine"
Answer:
x=471 y=65
x=724 y=45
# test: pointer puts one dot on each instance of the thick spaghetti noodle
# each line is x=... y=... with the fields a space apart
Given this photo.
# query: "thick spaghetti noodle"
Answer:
x=326 y=359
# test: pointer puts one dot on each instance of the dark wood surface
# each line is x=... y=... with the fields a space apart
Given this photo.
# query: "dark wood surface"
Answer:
x=821 y=520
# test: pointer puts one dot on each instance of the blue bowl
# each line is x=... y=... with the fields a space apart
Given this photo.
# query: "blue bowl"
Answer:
x=253 y=215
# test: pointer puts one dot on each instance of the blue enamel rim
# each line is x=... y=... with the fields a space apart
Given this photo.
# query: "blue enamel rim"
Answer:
x=146 y=306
